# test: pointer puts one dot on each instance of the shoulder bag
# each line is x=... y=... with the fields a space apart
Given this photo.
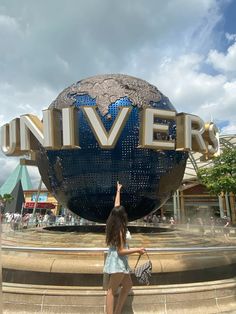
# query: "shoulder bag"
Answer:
x=143 y=272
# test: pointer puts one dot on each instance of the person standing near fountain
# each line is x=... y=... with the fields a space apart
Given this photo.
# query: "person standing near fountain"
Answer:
x=116 y=265
x=226 y=229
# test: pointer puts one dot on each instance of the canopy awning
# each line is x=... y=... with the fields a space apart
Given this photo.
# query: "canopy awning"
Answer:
x=40 y=205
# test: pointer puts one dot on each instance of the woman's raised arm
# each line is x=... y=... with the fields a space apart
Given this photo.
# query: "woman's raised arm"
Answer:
x=117 y=198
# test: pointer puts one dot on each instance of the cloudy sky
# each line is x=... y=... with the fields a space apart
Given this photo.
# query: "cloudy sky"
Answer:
x=187 y=48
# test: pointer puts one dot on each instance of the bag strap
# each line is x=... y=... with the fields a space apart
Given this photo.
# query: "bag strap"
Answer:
x=139 y=259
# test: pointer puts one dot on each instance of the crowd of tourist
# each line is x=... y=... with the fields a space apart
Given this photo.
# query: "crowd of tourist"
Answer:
x=207 y=226
x=16 y=221
x=204 y=226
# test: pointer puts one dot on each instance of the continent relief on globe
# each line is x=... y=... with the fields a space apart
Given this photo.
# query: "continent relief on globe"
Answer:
x=107 y=89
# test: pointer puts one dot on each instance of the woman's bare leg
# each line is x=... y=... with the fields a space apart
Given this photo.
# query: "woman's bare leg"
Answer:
x=126 y=286
x=114 y=282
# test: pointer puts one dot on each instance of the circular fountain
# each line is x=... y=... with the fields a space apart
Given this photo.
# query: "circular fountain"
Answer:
x=189 y=271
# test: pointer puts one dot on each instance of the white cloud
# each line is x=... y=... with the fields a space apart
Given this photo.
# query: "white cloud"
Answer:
x=230 y=37
x=186 y=85
x=224 y=61
x=48 y=45
x=192 y=90
x=8 y=22
x=15 y=102
x=59 y=43
x=229 y=129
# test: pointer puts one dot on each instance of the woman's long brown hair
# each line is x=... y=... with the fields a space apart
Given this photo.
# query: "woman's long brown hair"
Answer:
x=116 y=227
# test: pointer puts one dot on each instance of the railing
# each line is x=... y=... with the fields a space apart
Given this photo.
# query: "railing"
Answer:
x=100 y=249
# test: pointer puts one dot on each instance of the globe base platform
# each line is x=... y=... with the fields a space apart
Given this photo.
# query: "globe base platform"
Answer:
x=59 y=281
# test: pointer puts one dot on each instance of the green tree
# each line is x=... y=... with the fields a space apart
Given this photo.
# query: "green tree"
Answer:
x=221 y=176
x=4 y=199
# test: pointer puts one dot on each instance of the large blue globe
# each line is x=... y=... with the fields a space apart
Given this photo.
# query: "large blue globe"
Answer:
x=84 y=180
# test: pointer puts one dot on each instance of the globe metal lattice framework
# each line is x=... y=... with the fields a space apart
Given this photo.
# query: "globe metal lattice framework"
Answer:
x=84 y=180
x=196 y=161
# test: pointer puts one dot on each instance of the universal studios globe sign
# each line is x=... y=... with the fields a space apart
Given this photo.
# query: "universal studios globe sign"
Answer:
x=105 y=129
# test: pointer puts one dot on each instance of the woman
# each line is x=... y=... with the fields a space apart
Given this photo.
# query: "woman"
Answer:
x=116 y=264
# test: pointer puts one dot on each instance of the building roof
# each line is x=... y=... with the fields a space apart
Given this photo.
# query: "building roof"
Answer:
x=15 y=205
x=20 y=173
